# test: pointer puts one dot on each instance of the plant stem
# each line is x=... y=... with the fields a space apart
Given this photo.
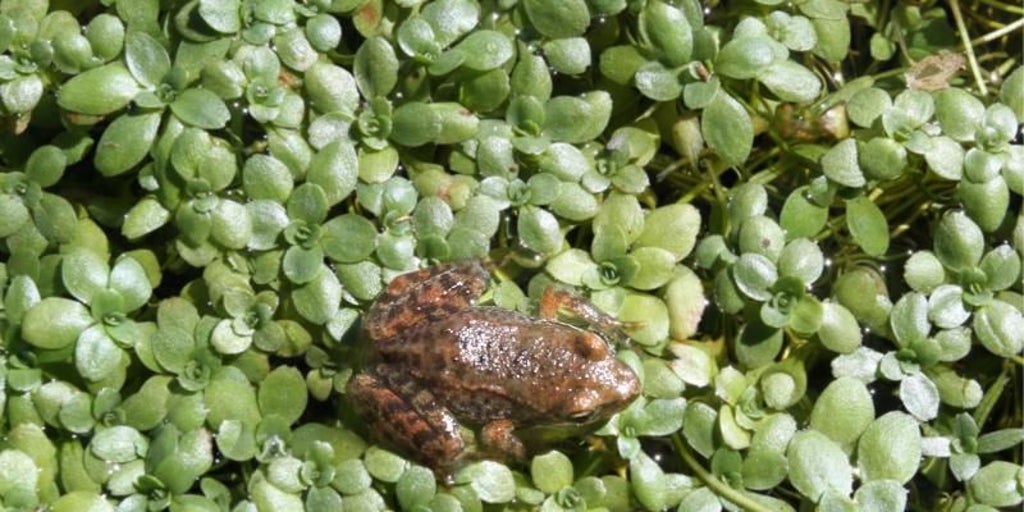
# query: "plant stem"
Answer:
x=719 y=487
x=1015 y=9
x=972 y=61
x=992 y=394
x=996 y=34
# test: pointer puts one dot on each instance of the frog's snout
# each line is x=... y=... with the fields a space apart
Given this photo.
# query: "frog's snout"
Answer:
x=628 y=386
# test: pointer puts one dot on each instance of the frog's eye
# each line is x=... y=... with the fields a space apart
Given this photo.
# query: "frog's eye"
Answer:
x=581 y=415
x=584 y=404
x=591 y=346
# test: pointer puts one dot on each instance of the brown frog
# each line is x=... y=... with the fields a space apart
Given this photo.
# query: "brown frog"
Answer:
x=438 y=362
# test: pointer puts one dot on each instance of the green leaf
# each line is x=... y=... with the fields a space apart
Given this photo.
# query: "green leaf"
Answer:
x=493 y=482
x=959 y=242
x=119 y=444
x=656 y=268
x=84 y=273
x=920 y=397
x=840 y=164
x=959 y=113
x=818 y=466
x=283 y=392
x=146 y=216
x=227 y=338
x=1000 y=328
x=754 y=275
x=415 y=124
x=485 y=50
x=1002 y=267
x=997 y=484
x=558 y=20
x=18 y=472
x=790 y=81
x=748 y=57
x=13 y=214
x=336 y=169
x=229 y=397
x=577 y=119
x=648 y=482
x=727 y=128
x=230 y=224
x=146 y=58
x=801 y=218
x=881 y=495
x=147 y=408
x=570 y=56
x=221 y=15
x=668 y=31
x=46 y=165
x=301 y=265
x=376 y=67
x=945 y=157
x=265 y=177
x=349 y=238
x=417 y=486
x=331 y=88
x=55 y=218
x=539 y=231
x=986 y=203
x=129 y=279
x=308 y=203
x=96 y=354
x=761 y=235
x=99 y=91
x=201 y=108
x=551 y=472
x=650 y=316
x=22 y=94
x=684 y=297
x=890 y=448
x=318 y=300
x=294 y=49
x=882 y=158
x=82 y=501
x=868 y=104
x=126 y=142
x=1011 y=92
x=867 y=225
x=839 y=331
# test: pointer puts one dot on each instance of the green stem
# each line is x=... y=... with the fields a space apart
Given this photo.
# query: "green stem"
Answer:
x=988 y=402
x=972 y=61
x=1015 y=9
x=717 y=486
x=996 y=34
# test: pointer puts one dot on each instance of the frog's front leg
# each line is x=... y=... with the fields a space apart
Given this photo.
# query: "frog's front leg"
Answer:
x=401 y=412
x=424 y=295
x=498 y=437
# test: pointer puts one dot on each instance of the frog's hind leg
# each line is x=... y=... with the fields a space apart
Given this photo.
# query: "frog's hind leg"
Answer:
x=408 y=416
x=425 y=295
x=554 y=300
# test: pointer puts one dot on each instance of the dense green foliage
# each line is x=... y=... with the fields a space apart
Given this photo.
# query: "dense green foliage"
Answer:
x=806 y=214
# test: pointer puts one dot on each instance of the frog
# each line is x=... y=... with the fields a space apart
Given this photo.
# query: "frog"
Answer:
x=440 y=363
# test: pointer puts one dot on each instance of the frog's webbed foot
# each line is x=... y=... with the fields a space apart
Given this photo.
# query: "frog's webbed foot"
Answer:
x=555 y=300
x=406 y=415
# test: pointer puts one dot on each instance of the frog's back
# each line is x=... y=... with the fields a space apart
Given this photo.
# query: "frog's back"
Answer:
x=488 y=363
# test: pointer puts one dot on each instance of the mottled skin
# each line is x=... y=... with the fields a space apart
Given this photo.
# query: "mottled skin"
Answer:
x=439 y=362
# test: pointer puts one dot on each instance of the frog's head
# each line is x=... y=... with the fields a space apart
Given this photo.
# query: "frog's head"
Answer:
x=606 y=387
